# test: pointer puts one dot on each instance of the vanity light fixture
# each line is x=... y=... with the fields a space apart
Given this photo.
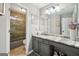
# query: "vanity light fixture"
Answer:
x=52 y=10
x=57 y=8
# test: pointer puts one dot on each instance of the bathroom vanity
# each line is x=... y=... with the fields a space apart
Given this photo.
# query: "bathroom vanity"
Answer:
x=45 y=45
x=64 y=42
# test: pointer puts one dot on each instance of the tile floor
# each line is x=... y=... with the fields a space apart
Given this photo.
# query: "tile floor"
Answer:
x=19 y=51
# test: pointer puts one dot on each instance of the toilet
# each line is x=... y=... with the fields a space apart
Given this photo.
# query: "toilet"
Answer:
x=24 y=42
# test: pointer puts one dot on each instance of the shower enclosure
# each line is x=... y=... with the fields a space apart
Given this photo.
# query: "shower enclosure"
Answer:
x=17 y=27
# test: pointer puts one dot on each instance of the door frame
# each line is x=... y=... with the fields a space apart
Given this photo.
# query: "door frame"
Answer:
x=65 y=18
x=27 y=14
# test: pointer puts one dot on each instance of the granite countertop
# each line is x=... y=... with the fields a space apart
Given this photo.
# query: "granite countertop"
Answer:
x=60 y=39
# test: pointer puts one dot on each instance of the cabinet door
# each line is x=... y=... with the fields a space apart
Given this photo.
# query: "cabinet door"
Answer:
x=35 y=44
x=44 y=49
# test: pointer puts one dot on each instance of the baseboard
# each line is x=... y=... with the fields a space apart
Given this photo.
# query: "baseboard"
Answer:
x=30 y=52
x=3 y=54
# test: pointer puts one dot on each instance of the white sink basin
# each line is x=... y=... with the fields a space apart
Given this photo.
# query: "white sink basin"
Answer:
x=58 y=39
x=67 y=41
x=54 y=38
x=77 y=44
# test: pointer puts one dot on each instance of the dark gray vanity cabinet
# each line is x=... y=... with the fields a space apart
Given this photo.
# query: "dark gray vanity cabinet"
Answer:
x=40 y=47
x=35 y=44
x=44 y=49
x=66 y=49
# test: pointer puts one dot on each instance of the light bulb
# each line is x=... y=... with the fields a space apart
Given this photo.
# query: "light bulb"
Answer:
x=52 y=10
x=47 y=12
x=57 y=8
x=23 y=10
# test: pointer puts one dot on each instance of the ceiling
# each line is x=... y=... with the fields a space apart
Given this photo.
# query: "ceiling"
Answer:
x=64 y=8
x=45 y=5
x=16 y=8
x=40 y=5
x=37 y=5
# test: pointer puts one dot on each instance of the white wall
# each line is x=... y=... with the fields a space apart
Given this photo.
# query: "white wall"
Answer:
x=4 y=31
x=78 y=20
x=5 y=27
x=31 y=10
x=74 y=15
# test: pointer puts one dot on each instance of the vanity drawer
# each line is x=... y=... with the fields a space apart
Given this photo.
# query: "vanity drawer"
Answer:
x=40 y=40
x=52 y=43
x=45 y=41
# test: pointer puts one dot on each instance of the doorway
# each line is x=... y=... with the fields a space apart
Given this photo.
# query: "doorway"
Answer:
x=17 y=30
x=65 y=26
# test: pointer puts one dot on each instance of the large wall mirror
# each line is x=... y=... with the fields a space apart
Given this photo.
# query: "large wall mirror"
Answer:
x=55 y=18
